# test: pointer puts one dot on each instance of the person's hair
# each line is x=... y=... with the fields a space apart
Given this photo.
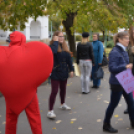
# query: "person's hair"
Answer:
x=119 y=35
x=132 y=49
x=97 y=35
x=84 y=40
x=64 y=44
x=131 y=37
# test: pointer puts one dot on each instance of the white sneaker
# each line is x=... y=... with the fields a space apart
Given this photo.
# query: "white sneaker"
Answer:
x=51 y=115
x=65 y=107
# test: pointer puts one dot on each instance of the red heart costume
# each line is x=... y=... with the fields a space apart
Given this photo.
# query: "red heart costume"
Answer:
x=23 y=67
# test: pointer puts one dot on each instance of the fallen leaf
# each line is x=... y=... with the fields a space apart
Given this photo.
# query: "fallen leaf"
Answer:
x=41 y=111
x=59 y=121
x=54 y=128
x=80 y=102
x=0 y=115
x=0 y=132
x=75 y=112
x=98 y=98
x=99 y=120
x=127 y=128
x=105 y=101
x=73 y=119
x=71 y=122
x=80 y=128
x=4 y=122
x=120 y=105
x=120 y=119
x=101 y=94
x=116 y=116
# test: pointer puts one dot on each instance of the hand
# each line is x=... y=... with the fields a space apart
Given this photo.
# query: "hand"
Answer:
x=130 y=66
x=55 y=38
x=93 y=64
x=71 y=74
x=99 y=63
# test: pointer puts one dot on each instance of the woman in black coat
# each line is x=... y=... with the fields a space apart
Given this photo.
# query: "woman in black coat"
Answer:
x=59 y=75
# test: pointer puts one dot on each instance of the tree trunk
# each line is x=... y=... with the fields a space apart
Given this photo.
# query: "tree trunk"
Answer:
x=103 y=36
x=68 y=23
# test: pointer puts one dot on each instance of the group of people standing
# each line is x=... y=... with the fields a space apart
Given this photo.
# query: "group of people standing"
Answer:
x=89 y=57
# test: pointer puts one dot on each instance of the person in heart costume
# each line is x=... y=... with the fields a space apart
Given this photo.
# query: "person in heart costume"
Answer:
x=23 y=67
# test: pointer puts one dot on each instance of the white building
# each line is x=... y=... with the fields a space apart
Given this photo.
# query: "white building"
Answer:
x=35 y=30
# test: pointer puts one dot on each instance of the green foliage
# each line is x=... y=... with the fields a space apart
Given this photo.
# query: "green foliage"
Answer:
x=78 y=37
x=56 y=22
x=110 y=44
x=15 y=12
x=109 y=38
x=90 y=14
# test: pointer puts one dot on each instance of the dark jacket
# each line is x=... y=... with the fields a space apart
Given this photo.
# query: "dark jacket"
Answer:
x=130 y=54
x=62 y=60
x=85 y=51
x=118 y=59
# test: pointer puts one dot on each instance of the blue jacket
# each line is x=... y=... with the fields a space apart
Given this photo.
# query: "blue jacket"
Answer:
x=62 y=60
x=98 y=51
x=118 y=59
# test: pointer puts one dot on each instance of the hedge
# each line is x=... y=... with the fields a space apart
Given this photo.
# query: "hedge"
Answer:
x=110 y=44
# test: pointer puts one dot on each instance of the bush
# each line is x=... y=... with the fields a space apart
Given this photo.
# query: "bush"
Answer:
x=109 y=38
x=78 y=37
x=101 y=38
x=110 y=44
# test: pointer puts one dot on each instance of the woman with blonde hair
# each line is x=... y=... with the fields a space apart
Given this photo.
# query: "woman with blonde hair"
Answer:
x=118 y=62
x=59 y=75
x=85 y=58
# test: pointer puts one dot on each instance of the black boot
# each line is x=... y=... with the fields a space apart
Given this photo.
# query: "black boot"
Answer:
x=108 y=128
x=126 y=111
x=132 y=123
x=95 y=87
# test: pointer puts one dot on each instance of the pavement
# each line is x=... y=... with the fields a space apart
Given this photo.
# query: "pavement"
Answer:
x=86 y=116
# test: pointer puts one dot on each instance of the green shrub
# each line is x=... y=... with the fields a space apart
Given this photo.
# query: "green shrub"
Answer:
x=101 y=38
x=110 y=44
x=78 y=37
x=109 y=38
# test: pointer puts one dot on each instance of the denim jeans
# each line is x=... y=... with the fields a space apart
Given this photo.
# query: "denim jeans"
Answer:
x=85 y=68
x=115 y=98
x=96 y=82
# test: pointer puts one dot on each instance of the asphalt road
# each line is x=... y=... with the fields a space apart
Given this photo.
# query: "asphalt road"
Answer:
x=86 y=116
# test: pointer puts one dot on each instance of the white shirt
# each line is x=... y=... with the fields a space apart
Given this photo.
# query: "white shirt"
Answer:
x=119 y=44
